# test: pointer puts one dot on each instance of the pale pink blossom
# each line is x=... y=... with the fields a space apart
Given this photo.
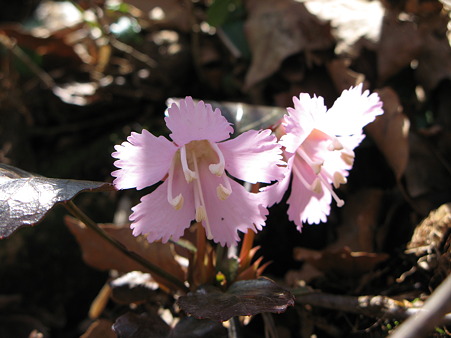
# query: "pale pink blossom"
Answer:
x=319 y=146
x=194 y=168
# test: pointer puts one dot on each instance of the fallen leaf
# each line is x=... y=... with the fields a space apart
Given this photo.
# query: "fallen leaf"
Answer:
x=165 y=13
x=101 y=328
x=26 y=198
x=342 y=261
x=399 y=44
x=427 y=191
x=430 y=234
x=100 y=254
x=278 y=29
x=390 y=132
x=360 y=221
x=434 y=60
x=352 y=21
x=343 y=77
x=135 y=287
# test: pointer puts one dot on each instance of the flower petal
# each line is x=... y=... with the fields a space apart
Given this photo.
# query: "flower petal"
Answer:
x=274 y=193
x=304 y=204
x=158 y=219
x=352 y=111
x=241 y=211
x=301 y=120
x=189 y=121
x=254 y=156
x=143 y=161
x=334 y=161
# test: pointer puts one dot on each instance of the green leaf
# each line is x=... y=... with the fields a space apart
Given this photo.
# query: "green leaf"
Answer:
x=26 y=198
x=223 y=11
x=243 y=298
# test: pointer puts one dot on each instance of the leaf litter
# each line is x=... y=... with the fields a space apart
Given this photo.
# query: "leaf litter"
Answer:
x=74 y=88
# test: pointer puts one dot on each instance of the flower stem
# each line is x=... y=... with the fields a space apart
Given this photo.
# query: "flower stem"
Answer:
x=248 y=240
x=76 y=212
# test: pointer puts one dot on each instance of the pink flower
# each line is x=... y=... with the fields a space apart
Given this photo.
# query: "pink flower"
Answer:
x=194 y=168
x=319 y=146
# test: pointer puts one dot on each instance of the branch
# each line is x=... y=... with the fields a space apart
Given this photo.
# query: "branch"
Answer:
x=371 y=306
x=74 y=210
x=435 y=312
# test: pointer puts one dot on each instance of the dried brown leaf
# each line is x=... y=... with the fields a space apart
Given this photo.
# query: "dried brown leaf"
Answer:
x=343 y=262
x=390 y=131
x=101 y=255
x=399 y=44
x=434 y=60
x=165 y=13
x=342 y=76
x=278 y=29
x=101 y=328
x=360 y=220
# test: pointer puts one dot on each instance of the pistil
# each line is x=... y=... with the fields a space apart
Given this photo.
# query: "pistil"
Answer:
x=315 y=165
x=199 y=201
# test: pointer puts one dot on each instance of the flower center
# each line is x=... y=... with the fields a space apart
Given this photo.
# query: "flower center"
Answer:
x=318 y=145
x=191 y=156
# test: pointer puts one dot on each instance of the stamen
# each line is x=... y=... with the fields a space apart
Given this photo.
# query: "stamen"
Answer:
x=348 y=157
x=201 y=213
x=338 y=179
x=335 y=145
x=222 y=192
x=189 y=174
x=176 y=202
x=337 y=199
x=217 y=168
x=316 y=186
x=316 y=166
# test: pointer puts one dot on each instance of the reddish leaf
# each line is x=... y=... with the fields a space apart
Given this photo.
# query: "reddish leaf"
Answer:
x=131 y=325
x=26 y=198
x=243 y=298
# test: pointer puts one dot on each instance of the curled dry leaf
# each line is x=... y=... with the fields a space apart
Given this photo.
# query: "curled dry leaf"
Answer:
x=276 y=29
x=390 y=131
x=399 y=44
x=342 y=76
x=429 y=237
x=434 y=61
x=101 y=255
x=135 y=287
x=342 y=261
